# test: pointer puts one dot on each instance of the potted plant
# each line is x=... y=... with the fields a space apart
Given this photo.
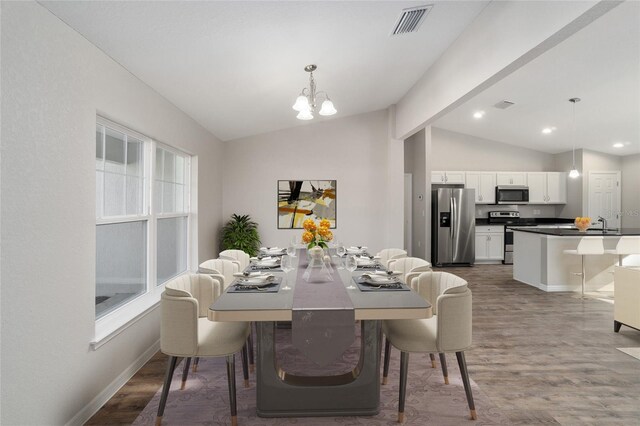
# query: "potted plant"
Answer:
x=241 y=233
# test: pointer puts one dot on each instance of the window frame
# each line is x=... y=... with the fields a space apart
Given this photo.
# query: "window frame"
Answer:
x=119 y=319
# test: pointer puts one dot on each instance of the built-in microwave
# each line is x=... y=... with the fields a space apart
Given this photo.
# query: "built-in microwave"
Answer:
x=512 y=194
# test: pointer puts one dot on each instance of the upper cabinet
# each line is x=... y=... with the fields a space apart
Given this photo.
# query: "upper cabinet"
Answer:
x=447 y=178
x=485 y=185
x=547 y=187
x=511 y=178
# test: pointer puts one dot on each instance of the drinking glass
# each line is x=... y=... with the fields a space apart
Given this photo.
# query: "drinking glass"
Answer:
x=286 y=264
x=340 y=251
x=351 y=264
x=291 y=249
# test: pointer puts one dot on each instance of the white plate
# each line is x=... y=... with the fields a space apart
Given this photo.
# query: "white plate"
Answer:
x=255 y=283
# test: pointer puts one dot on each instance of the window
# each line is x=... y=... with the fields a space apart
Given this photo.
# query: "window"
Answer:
x=142 y=220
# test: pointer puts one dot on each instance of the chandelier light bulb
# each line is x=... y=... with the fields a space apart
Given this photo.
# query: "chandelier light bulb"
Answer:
x=327 y=108
x=305 y=115
x=574 y=173
x=302 y=104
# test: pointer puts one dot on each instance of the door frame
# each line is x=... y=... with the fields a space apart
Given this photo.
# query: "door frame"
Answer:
x=408 y=212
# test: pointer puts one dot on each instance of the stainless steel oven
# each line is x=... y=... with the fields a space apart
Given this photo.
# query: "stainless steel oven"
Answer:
x=513 y=194
x=508 y=218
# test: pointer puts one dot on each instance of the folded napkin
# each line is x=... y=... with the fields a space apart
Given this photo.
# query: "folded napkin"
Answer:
x=365 y=261
x=258 y=279
x=383 y=273
x=379 y=279
x=354 y=249
x=268 y=261
x=248 y=274
x=271 y=249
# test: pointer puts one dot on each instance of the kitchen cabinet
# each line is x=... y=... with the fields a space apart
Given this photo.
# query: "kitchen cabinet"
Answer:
x=450 y=178
x=547 y=187
x=489 y=243
x=511 y=178
x=485 y=185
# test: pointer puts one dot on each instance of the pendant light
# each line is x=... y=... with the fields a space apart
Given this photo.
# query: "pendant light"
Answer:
x=306 y=102
x=574 y=173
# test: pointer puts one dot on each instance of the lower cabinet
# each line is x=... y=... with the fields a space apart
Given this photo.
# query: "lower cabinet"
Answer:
x=489 y=243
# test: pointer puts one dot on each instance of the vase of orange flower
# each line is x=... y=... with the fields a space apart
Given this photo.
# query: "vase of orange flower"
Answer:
x=582 y=223
x=316 y=236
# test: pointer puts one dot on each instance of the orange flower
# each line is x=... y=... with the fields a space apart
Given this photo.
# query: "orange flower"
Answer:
x=307 y=237
x=309 y=225
x=324 y=223
x=329 y=236
x=323 y=231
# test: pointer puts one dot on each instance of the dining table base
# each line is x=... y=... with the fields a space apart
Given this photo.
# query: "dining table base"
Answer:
x=355 y=393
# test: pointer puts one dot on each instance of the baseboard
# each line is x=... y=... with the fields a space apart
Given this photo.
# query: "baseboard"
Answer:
x=96 y=403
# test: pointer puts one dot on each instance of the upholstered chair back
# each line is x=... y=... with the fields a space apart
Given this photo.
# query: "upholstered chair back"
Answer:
x=224 y=267
x=453 y=305
x=237 y=255
x=410 y=267
x=591 y=245
x=389 y=254
x=184 y=300
x=628 y=245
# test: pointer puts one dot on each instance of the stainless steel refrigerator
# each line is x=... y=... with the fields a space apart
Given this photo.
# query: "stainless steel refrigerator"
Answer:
x=453 y=226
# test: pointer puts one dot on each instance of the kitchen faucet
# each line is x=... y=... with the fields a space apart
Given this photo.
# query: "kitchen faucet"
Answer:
x=604 y=223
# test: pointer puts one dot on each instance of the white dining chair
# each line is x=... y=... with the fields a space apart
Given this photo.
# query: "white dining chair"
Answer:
x=385 y=255
x=586 y=247
x=185 y=331
x=220 y=267
x=628 y=244
x=238 y=256
x=449 y=330
x=410 y=267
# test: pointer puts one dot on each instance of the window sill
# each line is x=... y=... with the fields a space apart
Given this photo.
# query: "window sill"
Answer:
x=118 y=321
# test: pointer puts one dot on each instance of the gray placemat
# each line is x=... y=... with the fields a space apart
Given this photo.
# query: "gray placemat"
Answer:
x=271 y=288
x=369 y=287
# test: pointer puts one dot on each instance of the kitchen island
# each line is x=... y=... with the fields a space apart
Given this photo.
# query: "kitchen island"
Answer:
x=539 y=259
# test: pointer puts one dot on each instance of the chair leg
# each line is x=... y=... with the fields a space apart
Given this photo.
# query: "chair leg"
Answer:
x=231 y=379
x=467 y=385
x=252 y=365
x=171 y=367
x=616 y=326
x=245 y=366
x=196 y=360
x=433 y=360
x=443 y=363
x=404 y=366
x=387 y=356
x=185 y=372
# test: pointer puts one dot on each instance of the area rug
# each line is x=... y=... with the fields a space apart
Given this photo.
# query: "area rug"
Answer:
x=205 y=399
x=634 y=352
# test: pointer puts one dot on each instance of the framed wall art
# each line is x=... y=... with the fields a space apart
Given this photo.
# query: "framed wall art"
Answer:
x=306 y=199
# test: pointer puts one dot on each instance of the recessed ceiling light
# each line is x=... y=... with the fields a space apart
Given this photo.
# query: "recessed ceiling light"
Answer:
x=548 y=130
x=618 y=145
x=478 y=114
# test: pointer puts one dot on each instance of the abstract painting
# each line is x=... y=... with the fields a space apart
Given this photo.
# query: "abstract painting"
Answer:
x=305 y=199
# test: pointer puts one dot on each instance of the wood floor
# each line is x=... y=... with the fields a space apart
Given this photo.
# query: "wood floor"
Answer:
x=542 y=358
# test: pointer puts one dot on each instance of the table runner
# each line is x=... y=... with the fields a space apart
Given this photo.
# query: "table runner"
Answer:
x=323 y=316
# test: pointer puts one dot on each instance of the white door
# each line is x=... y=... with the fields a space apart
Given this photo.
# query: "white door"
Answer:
x=604 y=197
x=408 y=209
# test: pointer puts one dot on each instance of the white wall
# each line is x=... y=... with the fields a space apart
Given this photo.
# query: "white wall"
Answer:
x=415 y=163
x=54 y=82
x=563 y=162
x=457 y=151
x=630 y=192
x=351 y=150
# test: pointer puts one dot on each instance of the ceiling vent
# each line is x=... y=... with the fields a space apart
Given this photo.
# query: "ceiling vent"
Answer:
x=504 y=104
x=411 y=19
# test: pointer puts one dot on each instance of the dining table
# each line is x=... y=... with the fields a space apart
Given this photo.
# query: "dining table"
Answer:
x=324 y=313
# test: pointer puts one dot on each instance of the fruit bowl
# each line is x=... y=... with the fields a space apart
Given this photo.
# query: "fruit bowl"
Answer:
x=582 y=223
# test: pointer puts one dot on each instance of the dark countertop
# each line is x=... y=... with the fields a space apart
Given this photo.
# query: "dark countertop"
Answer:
x=575 y=233
x=527 y=221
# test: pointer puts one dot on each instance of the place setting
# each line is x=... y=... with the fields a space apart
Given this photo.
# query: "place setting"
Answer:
x=255 y=282
x=272 y=251
x=381 y=281
x=264 y=263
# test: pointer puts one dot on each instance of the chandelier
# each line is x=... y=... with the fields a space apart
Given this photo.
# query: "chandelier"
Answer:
x=306 y=101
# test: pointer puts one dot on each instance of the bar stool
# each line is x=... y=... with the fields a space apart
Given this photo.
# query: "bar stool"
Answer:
x=626 y=245
x=587 y=246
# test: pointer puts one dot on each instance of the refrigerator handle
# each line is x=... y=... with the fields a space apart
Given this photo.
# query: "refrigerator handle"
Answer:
x=451 y=216
x=454 y=215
